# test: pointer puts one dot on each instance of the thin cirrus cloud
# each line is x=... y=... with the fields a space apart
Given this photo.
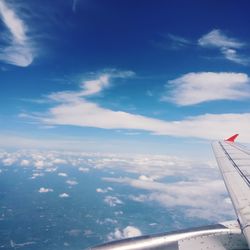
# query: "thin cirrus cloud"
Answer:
x=172 y=42
x=194 y=88
x=19 y=50
x=228 y=46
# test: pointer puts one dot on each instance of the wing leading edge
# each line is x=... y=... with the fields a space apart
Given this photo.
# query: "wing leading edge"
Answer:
x=234 y=163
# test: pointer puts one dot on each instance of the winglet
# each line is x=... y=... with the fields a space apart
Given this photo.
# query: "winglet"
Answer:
x=232 y=138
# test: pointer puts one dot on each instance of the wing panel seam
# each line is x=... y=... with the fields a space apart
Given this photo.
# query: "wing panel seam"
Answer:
x=235 y=165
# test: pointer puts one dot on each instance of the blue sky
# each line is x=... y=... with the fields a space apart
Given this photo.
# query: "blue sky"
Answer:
x=124 y=76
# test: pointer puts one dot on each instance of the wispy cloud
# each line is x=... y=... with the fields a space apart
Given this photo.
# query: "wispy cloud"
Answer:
x=172 y=42
x=232 y=55
x=194 y=88
x=178 y=41
x=91 y=87
x=20 y=50
x=228 y=46
x=216 y=38
x=74 y=4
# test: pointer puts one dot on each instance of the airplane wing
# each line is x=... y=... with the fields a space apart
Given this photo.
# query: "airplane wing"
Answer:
x=234 y=163
x=223 y=236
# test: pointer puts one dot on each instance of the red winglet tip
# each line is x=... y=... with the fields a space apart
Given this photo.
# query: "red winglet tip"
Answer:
x=232 y=138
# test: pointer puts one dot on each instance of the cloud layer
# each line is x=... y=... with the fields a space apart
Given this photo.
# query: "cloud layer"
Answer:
x=168 y=180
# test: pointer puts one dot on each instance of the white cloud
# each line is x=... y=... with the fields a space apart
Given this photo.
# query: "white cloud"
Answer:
x=62 y=174
x=8 y=161
x=106 y=221
x=71 y=182
x=131 y=231
x=45 y=190
x=63 y=195
x=59 y=161
x=105 y=190
x=100 y=190
x=84 y=170
x=112 y=201
x=127 y=232
x=208 y=126
x=95 y=86
x=25 y=162
x=139 y=198
x=20 y=51
x=145 y=178
x=194 y=88
x=228 y=46
x=39 y=164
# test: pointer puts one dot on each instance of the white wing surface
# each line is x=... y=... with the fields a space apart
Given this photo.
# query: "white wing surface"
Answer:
x=234 y=163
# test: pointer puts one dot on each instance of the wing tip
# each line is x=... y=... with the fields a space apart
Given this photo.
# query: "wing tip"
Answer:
x=232 y=138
